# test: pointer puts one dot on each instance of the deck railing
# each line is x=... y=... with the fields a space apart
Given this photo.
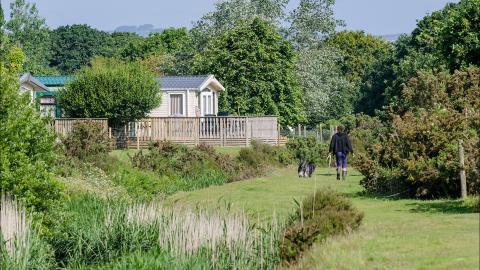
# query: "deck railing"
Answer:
x=216 y=131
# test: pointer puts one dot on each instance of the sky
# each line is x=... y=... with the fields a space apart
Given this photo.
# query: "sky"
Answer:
x=378 y=17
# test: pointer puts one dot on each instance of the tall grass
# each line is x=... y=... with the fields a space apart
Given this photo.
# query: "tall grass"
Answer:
x=20 y=246
x=104 y=232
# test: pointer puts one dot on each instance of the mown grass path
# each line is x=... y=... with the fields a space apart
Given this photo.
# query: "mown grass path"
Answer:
x=395 y=234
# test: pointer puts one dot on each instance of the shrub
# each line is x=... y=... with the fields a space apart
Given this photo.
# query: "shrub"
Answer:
x=418 y=156
x=26 y=144
x=87 y=139
x=319 y=216
x=255 y=160
x=308 y=149
x=112 y=89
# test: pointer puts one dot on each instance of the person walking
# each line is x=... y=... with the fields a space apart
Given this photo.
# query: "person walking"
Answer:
x=340 y=146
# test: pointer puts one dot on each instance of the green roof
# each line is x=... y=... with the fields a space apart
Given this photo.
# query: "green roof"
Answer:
x=54 y=80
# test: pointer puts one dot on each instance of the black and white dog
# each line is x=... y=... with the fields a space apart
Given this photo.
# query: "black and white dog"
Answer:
x=306 y=169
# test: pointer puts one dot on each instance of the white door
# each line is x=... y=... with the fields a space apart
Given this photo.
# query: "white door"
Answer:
x=207 y=103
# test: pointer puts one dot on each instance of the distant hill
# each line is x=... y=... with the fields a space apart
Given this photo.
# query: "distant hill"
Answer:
x=142 y=30
x=391 y=38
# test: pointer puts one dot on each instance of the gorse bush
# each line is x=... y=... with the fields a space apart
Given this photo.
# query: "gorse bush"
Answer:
x=308 y=149
x=87 y=139
x=416 y=154
x=319 y=216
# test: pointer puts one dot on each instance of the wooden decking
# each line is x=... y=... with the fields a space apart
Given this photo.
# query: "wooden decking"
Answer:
x=215 y=131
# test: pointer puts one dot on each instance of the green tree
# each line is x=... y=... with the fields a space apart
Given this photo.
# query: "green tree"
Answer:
x=311 y=22
x=228 y=13
x=26 y=144
x=29 y=31
x=76 y=45
x=113 y=89
x=362 y=54
x=446 y=39
x=257 y=67
x=326 y=92
x=169 y=52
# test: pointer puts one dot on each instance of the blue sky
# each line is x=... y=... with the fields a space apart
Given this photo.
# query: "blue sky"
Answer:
x=378 y=17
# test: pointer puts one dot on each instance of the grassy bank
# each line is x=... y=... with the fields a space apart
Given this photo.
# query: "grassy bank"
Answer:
x=396 y=234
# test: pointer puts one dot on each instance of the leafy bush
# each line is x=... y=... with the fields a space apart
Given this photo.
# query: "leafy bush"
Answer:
x=255 y=160
x=87 y=139
x=26 y=144
x=308 y=149
x=416 y=154
x=113 y=89
x=319 y=216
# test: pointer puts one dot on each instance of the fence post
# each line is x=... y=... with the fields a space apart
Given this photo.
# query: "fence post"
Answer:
x=137 y=135
x=321 y=133
x=463 y=178
x=304 y=131
x=278 y=134
x=299 y=130
x=247 y=131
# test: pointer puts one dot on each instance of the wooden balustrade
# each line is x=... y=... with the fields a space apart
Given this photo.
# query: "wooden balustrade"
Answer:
x=216 y=131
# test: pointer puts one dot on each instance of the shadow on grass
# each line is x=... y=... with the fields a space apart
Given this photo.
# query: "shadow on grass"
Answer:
x=448 y=207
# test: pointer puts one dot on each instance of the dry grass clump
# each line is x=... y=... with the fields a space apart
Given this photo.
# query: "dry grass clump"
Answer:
x=20 y=248
x=219 y=234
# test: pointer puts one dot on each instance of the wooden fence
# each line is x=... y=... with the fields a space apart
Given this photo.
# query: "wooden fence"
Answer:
x=63 y=126
x=215 y=131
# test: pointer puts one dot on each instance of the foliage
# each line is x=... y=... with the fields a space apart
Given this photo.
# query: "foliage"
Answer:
x=29 y=31
x=76 y=45
x=308 y=149
x=86 y=139
x=169 y=52
x=320 y=215
x=311 y=22
x=361 y=54
x=327 y=94
x=418 y=155
x=26 y=144
x=228 y=14
x=257 y=159
x=112 y=89
x=446 y=39
x=256 y=65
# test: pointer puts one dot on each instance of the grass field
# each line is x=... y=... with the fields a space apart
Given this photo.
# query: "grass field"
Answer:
x=395 y=234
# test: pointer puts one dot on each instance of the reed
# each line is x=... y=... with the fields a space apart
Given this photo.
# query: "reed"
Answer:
x=20 y=247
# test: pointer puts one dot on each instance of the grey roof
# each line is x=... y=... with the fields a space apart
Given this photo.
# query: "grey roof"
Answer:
x=182 y=82
x=27 y=77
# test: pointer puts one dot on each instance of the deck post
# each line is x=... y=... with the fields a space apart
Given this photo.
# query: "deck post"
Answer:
x=463 y=178
x=247 y=131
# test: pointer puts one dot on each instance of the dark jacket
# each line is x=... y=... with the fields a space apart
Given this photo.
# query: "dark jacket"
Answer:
x=341 y=143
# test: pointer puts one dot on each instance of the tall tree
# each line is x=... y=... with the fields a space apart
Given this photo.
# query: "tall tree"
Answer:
x=228 y=13
x=326 y=92
x=311 y=22
x=169 y=52
x=29 y=31
x=76 y=45
x=361 y=53
x=257 y=66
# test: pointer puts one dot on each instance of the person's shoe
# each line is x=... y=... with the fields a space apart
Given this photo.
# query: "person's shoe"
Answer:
x=344 y=175
x=338 y=176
